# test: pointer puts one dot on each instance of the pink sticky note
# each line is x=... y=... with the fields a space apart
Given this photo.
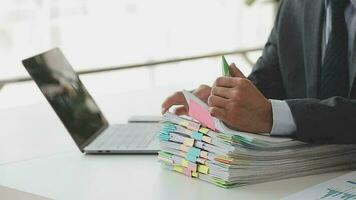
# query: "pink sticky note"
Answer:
x=192 y=167
x=187 y=172
x=201 y=114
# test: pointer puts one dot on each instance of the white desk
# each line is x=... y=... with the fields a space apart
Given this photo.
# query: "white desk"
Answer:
x=38 y=156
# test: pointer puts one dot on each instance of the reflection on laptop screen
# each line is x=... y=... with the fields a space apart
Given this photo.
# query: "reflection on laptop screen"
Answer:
x=67 y=95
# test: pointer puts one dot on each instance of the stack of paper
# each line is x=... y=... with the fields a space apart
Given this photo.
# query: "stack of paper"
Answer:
x=203 y=147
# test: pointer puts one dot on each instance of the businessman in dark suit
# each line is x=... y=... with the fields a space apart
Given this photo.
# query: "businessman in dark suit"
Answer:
x=303 y=86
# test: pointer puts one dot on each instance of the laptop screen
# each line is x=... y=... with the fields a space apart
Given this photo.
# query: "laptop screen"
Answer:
x=67 y=95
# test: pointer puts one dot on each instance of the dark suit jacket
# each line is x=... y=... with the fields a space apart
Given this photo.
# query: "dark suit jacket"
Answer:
x=289 y=69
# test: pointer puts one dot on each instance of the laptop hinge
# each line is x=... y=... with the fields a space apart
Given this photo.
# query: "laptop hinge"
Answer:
x=92 y=138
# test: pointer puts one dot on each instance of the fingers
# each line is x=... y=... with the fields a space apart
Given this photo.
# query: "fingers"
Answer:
x=235 y=72
x=175 y=99
x=216 y=101
x=182 y=110
x=225 y=81
x=203 y=92
x=218 y=113
x=221 y=92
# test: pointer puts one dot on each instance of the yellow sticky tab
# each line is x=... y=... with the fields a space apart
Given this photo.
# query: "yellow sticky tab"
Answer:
x=203 y=169
x=166 y=160
x=185 y=163
x=188 y=142
x=178 y=169
x=204 y=130
x=184 y=123
x=195 y=174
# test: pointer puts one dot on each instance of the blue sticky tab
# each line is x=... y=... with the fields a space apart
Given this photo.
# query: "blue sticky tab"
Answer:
x=194 y=151
x=197 y=136
x=164 y=132
x=191 y=158
x=164 y=137
x=169 y=127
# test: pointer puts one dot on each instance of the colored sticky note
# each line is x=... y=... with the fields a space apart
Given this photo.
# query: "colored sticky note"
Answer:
x=204 y=130
x=178 y=169
x=185 y=162
x=192 y=167
x=188 y=142
x=197 y=136
x=166 y=160
x=198 y=110
x=194 y=174
x=191 y=158
x=169 y=127
x=194 y=151
x=164 y=137
x=203 y=169
x=201 y=114
x=204 y=154
x=175 y=159
x=224 y=159
x=184 y=148
x=201 y=160
x=184 y=123
x=187 y=172
x=207 y=139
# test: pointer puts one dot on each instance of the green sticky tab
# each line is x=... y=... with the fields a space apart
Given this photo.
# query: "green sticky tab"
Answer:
x=165 y=154
x=197 y=136
x=225 y=67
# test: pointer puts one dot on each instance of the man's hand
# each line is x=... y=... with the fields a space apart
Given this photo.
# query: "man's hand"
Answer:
x=239 y=104
x=202 y=92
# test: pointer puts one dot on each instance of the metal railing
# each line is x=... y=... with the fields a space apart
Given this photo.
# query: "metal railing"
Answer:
x=242 y=52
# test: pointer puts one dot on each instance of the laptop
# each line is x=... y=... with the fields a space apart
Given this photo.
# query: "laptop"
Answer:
x=80 y=114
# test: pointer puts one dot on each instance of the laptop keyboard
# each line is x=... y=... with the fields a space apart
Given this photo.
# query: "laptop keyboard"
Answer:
x=127 y=136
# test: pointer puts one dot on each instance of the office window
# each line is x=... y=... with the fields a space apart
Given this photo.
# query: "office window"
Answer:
x=94 y=34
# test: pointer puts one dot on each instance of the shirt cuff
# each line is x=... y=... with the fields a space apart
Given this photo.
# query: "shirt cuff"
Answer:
x=283 y=121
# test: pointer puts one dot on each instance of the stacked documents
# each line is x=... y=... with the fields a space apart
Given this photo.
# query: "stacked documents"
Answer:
x=202 y=147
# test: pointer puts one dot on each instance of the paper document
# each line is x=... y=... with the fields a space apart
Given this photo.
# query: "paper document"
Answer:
x=340 y=188
x=227 y=159
x=199 y=111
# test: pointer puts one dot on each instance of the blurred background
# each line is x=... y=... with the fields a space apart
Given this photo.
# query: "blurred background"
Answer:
x=130 y=45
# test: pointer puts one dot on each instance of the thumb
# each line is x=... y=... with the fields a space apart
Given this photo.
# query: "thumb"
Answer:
x=235 y=72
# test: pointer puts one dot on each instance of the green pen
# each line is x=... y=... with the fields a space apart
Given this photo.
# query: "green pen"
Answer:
x=225 y=67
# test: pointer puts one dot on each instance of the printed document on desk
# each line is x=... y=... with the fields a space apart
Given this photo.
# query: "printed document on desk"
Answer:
x=199 y=111
x=340 y=188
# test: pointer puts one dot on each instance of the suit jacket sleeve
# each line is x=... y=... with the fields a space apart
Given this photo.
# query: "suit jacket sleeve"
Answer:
x=325 y=121
x=266 y=73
